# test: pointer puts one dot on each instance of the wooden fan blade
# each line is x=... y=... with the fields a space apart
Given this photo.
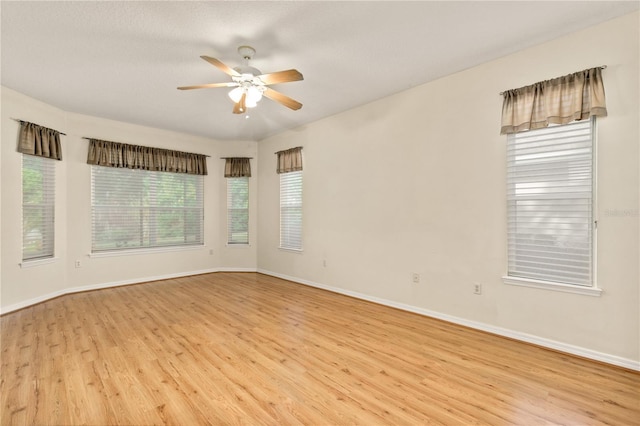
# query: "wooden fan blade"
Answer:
x=208 y=86
x=283 y=99
x=222 y=67
x=241 y=106
x=281 y=77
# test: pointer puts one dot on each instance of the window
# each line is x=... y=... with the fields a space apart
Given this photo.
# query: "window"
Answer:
x=132 y=209
x=550 y=204
x=38 y=206
x=291 y=210
x=238 y=210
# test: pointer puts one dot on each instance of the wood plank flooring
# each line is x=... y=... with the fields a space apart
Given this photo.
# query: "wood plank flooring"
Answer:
x=245 y=348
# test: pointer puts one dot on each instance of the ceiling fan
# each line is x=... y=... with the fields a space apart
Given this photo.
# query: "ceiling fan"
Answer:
x=250 y=84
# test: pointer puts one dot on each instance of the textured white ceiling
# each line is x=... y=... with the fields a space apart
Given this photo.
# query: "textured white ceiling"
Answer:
x=124 y=60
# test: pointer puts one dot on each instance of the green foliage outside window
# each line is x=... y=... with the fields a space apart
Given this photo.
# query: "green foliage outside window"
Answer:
x=137 y=208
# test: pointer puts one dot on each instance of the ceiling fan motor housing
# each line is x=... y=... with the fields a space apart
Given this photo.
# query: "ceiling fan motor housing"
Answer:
x=246 y=69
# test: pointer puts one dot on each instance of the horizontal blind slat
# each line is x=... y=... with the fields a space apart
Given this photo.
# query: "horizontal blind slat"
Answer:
x=291 y=210
x=145 y=209
x=238 y=210
x=38 y=207
x=549 y=203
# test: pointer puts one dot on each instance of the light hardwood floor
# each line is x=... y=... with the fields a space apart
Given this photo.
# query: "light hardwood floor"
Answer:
x=245 y=348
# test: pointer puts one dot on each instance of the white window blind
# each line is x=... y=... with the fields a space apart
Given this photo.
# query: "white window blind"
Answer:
x=238 y=210
x=38 y=207
x=133 y=208
x=291 y=210
x=550 y=204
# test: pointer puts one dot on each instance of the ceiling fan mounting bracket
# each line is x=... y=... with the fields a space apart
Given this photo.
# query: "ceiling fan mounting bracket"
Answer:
x=246 y=52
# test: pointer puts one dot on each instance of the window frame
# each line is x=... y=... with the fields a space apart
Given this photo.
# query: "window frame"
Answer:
x=232 y=213
x=150 y=210
x=528 y=281
x=47 y=167
x=287 y=240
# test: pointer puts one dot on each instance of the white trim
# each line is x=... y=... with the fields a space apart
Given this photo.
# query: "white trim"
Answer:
x=291 y=250
x=547 y=285
x=226 y=269
x=37 y=262
x=146 y=250
x=594 y=203
x=529 y=338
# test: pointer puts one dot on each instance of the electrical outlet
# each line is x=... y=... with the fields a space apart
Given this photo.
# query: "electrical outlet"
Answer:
x=210 y=251
x=415 y=277
x=324 y=263
x=477 y=288
x=78 y=264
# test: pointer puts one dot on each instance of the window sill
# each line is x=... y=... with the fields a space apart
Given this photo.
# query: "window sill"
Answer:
x=238 y=245
x=130 y=252
x=547 y=285
x=292 y=250
x=37 y=262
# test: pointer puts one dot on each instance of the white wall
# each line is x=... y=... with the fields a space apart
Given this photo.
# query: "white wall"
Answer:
x=411 y=183
x=416 y=183
x=23 y=286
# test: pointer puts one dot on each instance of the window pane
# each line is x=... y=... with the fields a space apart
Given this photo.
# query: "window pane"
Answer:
x=550 y=204
x=291 y=210
x=38 y=206
x=143 y=209
x=238 y=210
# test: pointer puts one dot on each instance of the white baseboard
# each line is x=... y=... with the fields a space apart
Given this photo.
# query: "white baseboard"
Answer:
x=529 y=338
x=225 y=269
x=71 y=290
x=536 y=340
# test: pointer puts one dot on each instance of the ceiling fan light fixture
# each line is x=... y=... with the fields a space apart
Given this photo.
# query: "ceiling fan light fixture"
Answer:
x=236 y=94
x=253 y=95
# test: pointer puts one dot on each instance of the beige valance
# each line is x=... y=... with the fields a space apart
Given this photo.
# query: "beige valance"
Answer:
x=115 y=154
x=561 y=100
x=290 y=160
x=237 y=167
x=39 y=141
